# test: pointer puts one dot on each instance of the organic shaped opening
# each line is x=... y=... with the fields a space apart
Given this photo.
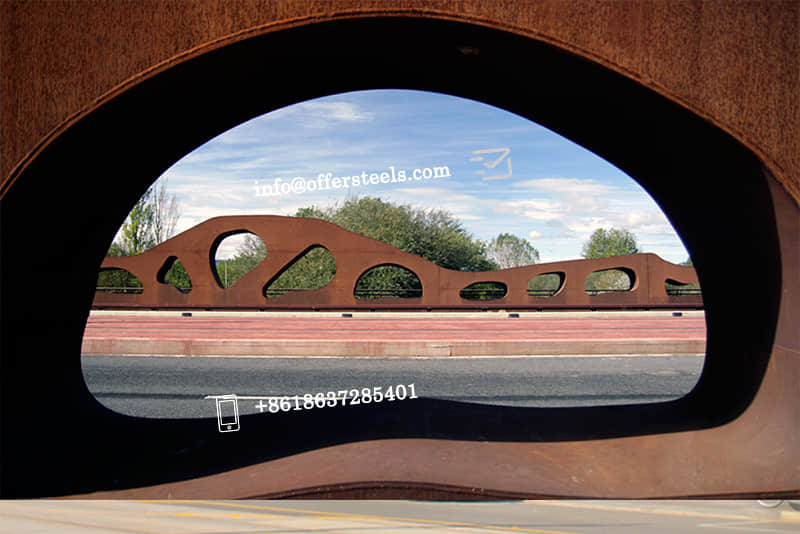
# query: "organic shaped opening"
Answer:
x=545 y=285
x=510 y=208
x=678 y=289
x=312 y=269
x=484 y=291
x=609 y=280
x=234 y=254
x=118 y=281
x=174 y=274
x=388 y=281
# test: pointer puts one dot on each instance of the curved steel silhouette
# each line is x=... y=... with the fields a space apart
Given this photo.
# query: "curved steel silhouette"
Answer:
x=287 y=238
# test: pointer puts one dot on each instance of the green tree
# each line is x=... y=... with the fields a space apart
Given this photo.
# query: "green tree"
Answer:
x=120 y=280
x=136 y=234
x=312 y=270
x=178 y=277
x=484 y=291
x=544 y=285
x=165 y=212
x=604 y=244
x=388 y=280
x=151 y=221
x=250 y=253
x=432 y=234
x=507 y=250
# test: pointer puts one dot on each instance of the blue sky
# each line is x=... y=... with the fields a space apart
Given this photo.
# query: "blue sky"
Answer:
x=556 y=195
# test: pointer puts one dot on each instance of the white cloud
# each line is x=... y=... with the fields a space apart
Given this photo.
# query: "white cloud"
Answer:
x=461 y=205
x=436 y=194
x=338 y=111
x=322 y=114
x=584 y=226
x=229 y=246
x=567 y=186
x=536 y=209
x=213 y=193
x=565 y=211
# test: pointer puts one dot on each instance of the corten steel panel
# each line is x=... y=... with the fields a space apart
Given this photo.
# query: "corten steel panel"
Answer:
x=697 y=101
x=287 y=238
x=733 y=63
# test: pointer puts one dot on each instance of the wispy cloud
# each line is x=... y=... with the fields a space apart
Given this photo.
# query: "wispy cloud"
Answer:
x=323 y=114
x=336 y=111
x=568 y=186
x=558 y=195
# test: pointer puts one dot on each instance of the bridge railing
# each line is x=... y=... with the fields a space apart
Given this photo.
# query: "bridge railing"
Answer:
x=651 y=282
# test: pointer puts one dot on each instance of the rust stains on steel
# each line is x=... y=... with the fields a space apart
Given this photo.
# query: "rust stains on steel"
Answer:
x=288 y=238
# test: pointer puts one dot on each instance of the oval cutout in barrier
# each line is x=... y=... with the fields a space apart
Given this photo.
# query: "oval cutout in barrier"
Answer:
x=545 y=285
x=174 y=274
x=388 y=281
x=609 y=281
x=484 y=291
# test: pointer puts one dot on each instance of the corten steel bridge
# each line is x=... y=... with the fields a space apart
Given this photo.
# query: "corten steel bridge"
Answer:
x=287 y=239
x=697 y=101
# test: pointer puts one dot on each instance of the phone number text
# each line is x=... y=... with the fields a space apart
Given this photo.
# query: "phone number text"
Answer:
x=332 y=399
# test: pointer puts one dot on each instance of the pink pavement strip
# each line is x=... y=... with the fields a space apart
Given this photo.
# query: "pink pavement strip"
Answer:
x=382 y=336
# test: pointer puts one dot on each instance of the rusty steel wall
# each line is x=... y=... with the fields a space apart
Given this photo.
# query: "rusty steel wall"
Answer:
x=734 y=63
x=288 y=238
x=697 y=101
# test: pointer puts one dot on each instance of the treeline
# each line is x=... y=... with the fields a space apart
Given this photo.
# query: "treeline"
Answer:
x=151 y=222
x=434 y=235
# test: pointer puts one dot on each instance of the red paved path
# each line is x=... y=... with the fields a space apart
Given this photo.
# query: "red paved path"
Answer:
x=393 y=336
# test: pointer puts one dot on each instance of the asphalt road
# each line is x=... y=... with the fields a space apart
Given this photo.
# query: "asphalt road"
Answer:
x=184 y=387
x=543 y=517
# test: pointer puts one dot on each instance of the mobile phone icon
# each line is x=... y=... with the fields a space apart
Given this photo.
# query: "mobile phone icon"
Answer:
x=227 y=413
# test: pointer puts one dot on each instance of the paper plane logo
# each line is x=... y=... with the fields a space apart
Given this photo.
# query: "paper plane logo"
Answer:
x=496 y=173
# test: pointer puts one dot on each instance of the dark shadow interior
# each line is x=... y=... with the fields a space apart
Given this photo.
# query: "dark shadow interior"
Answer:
x=80 y=446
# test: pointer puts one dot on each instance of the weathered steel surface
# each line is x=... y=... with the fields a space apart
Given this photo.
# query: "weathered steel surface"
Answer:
x=698 y=101
x=733 y=63
x=287 y=238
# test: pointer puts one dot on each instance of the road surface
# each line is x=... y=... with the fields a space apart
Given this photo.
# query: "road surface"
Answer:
x=179 y=387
